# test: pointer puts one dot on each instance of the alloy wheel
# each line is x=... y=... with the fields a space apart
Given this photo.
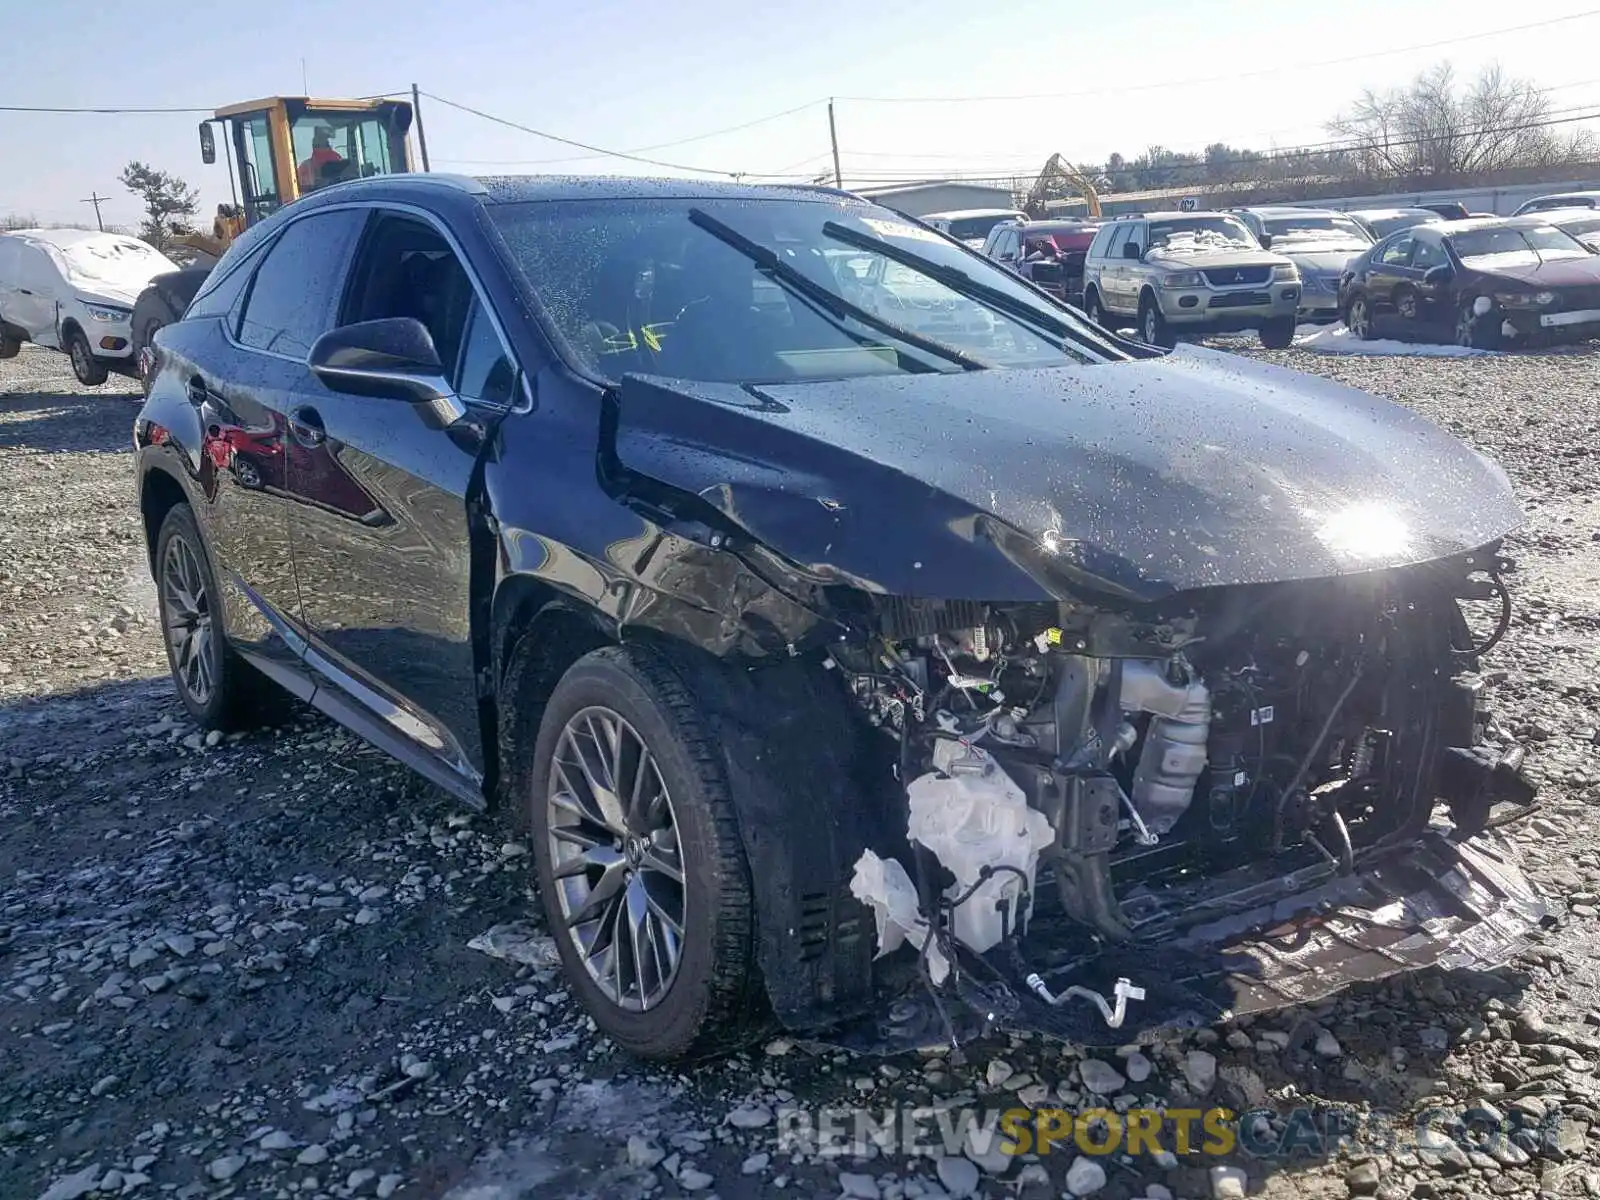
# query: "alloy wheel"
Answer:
x=186 y=617
x=80 y=358
x=1464 y=321
x=1359 y=319
x=1151 y=328
x=616 y=859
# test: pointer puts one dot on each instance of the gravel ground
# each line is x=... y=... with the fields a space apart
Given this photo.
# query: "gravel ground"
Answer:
x=241 y=967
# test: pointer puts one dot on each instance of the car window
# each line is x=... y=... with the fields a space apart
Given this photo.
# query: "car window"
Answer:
x=1427 y=253
x=1397 y=253
x=406 y=268
x=221 y=291
x=1119 y=238
x=486 y=372
x=295 y=291
x=1496 y=247
x=682 y=288
x=1097 y=248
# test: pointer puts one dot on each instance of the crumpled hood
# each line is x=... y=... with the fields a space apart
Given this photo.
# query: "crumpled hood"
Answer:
x=1139 y=478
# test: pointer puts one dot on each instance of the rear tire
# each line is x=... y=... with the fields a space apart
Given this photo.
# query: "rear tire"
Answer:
x=1153 y=327
x=150 y=315
x=1358 y=318
x=1278 y=333
x=88 y=370
x=708 y=1000
x=217 y=687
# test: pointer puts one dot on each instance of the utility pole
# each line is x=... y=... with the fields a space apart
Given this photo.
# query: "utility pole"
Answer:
x=833 y=136
x=96 y=199
x=416 y=118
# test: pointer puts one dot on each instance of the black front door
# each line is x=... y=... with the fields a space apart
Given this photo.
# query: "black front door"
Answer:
x=381 y=537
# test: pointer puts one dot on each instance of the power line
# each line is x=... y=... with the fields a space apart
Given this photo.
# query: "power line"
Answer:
x=96 y=199
x=1230 y=77
x=115 y=111
x=597 y=150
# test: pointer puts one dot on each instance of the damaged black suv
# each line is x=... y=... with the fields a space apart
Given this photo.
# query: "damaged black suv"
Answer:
x=823 y=599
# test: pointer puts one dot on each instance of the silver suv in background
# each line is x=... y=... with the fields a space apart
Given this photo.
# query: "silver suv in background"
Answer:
x=1178 y=272
x=1321 y=242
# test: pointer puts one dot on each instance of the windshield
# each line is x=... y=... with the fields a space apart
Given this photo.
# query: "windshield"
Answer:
x=1487 y=249
x=1314 y=227
x=1585 y=229
x=1189 y=235
x=639 y=286
x=330 y=148
x=975 y=229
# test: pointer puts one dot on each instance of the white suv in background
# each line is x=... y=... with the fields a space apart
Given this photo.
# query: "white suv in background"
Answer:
x=1195 y=272
x=73 y=290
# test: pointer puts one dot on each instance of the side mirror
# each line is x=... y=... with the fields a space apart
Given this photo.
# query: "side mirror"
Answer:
x=208 y=143
x=390 y=359
x=1438 y=276
x=1132 y=250
x=1266 y=241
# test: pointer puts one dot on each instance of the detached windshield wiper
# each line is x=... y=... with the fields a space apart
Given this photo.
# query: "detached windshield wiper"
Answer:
x=959 y=281
x=767 y=260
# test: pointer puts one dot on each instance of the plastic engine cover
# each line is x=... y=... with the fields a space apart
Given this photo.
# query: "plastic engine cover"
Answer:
x=971 y=815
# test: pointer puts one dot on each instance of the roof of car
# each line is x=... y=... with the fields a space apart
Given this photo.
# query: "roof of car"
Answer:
x=1525 y=221
x=514 y=189
x=957 y=214
x=1376 y=214
x=1173 y=215
x=1289 y=210
x=1566 y=195
x=1556 y=215
x=1059 y=226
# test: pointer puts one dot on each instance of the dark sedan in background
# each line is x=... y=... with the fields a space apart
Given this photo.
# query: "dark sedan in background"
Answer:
x=1488 y=283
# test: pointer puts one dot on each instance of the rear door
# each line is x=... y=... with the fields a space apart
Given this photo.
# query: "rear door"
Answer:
x=243 y=355
x=37 y=291
x=381 y=533
x=1115 y=268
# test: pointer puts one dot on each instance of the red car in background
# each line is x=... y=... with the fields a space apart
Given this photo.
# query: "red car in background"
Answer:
x=1049 y=254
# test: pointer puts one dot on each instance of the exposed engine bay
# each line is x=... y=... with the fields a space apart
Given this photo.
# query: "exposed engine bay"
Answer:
x=1157 y=767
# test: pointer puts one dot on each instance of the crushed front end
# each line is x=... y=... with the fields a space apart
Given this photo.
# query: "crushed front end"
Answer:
x=1119 y=818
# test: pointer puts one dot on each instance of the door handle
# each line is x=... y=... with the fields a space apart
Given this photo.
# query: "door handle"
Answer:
x=198 y=393
x=305 y=426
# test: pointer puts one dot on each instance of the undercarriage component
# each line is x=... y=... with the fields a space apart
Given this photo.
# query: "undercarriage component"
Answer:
x=1259 y=942
x=1114 y=1010
x=1175 y=745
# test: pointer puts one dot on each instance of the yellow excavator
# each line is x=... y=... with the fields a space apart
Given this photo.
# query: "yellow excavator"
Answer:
x=1056 y=177
x=277 y=149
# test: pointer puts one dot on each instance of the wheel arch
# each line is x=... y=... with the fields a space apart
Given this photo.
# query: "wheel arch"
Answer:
x=159 y=493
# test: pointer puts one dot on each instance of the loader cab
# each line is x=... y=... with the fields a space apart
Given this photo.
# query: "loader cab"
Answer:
x=283 y=147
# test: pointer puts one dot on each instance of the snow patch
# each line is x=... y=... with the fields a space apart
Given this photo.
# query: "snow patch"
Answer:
x=1337 y=339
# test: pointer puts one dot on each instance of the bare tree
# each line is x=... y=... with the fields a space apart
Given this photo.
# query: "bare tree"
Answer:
x=1438 y=127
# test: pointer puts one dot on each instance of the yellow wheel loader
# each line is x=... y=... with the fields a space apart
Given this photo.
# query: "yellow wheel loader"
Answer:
x=277 y=150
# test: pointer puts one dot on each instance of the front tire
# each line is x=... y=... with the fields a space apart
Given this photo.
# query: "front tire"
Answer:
x=1153 y=327
x=217 y=687
x=88 y=370
x=640 y=864
x=1278 y=333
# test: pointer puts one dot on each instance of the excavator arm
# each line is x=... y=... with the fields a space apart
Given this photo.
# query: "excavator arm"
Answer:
x=1058 y=175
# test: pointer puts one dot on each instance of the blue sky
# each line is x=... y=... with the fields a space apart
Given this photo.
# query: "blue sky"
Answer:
x=627 y=75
